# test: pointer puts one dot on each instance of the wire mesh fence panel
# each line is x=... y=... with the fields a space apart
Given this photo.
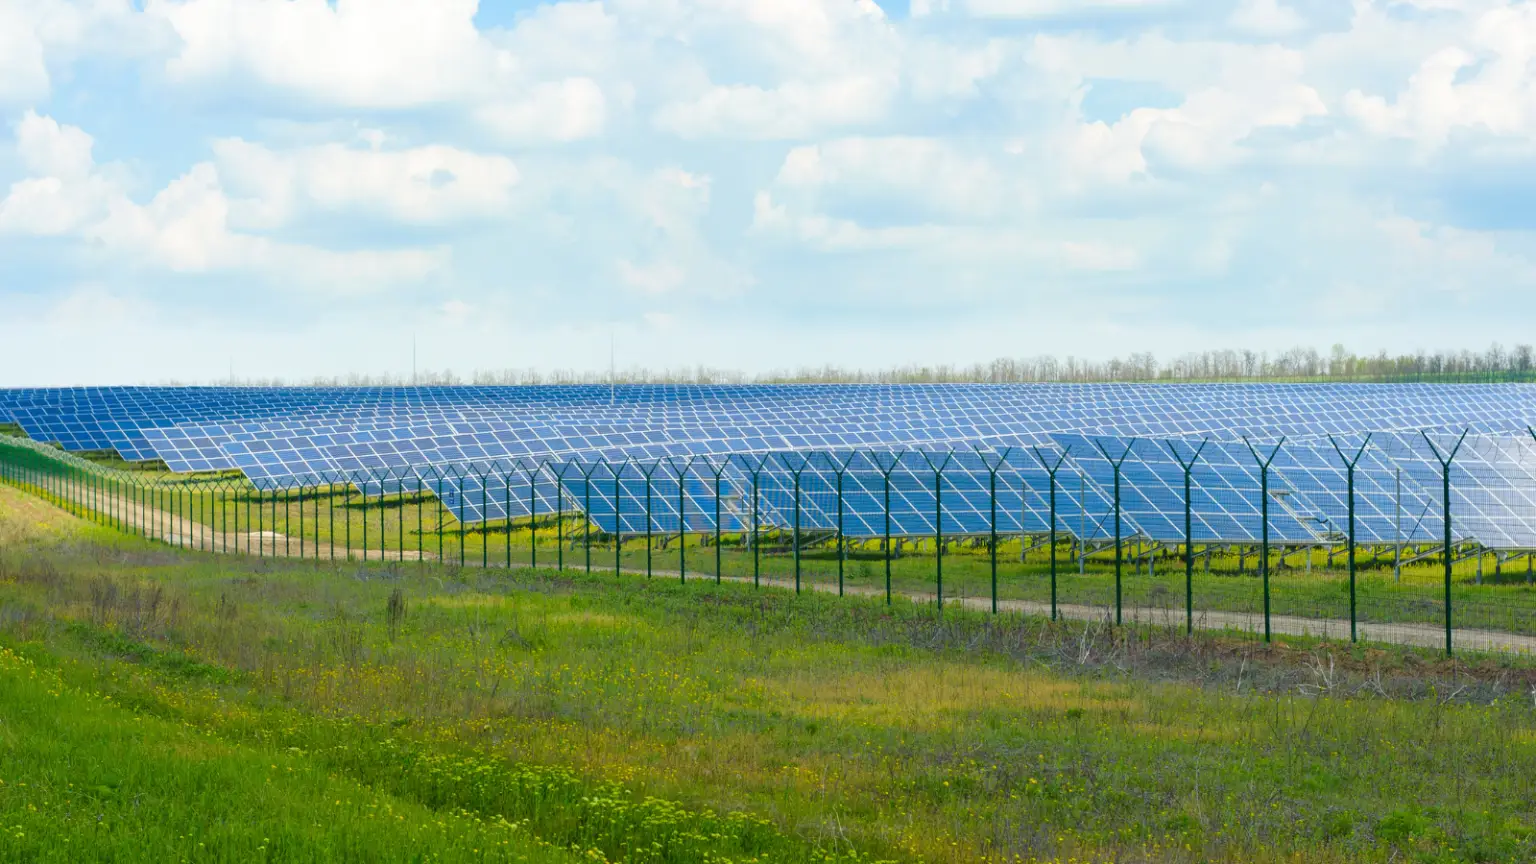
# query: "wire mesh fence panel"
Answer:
x=1494 y=505
x=1332 y=538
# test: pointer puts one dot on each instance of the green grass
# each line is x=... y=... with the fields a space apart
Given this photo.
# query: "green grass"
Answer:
x=85 y=779
x=634 y=717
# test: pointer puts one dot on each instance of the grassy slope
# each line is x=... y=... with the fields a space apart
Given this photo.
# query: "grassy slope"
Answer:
x=84 y=779
x=561 y=704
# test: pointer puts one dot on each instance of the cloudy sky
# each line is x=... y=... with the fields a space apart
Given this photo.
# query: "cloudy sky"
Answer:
x=298 y=188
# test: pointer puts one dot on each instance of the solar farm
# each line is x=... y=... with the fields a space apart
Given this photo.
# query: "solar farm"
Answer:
x=1081 y=495
x=812 y=624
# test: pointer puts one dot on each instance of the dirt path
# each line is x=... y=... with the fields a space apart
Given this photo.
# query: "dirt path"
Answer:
x=1422 y=635
x=183 y=533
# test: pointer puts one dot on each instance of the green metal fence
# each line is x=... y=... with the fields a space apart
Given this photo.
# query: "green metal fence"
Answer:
x=1449 y=595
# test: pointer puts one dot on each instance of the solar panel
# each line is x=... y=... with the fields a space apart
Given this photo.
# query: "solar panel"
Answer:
x=779 y=453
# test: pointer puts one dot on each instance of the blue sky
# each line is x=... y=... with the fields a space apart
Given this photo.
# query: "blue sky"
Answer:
x=301 y=188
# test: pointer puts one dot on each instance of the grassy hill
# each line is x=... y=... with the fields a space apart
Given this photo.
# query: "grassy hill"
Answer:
x=157 y=706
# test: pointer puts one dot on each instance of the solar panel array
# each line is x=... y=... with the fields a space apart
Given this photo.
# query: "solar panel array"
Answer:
x=776 y=453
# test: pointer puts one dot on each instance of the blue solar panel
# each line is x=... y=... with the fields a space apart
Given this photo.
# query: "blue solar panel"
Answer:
x=883 y=440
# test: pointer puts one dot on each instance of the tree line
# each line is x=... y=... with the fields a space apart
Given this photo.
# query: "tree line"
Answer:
x=1494 y=365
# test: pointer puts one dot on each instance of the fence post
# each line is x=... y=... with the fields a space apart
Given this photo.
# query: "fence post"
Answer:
x=649 y=542
x=938 y=522
x=618 y=525
x=887 y=472
x=1050 y=471
x=261 y=521
x=233 y=536
x=992 y=470
x=1189 y=532
x=1445 y=477
x=362 y=485
x=462 y=526
x=586 y=504
x=437 y=477
x=842 y=541
x=383 y=481
x=1119 y=542
x=682 y=518
x=301 y=520
x=1349 y=466
x=533 y=518
x=992 y=529
x=717 y=470
x=795 y=521
x=400 y=517
x=560 y=516
x=757 y=522
x=1264 y=463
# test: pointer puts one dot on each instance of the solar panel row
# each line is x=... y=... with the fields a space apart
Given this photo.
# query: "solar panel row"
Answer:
x=480 y=449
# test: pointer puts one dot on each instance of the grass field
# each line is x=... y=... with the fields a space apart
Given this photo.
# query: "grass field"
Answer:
x=157 y=705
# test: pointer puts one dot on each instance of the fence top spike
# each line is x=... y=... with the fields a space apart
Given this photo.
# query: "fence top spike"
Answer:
x=1263 y=462
x=1123 y=456
x=1359 y=454
x=940 y=466
x=1050 y=469
x=1446 y=460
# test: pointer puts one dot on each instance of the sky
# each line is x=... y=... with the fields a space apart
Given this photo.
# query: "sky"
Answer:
x=295 y=188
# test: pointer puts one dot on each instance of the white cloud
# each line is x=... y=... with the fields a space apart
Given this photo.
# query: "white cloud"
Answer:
x=567 y=110
x=1113 y=158
x=62 y=194
x=823 y=64
x=659 y=320
x=457 y=311
x=364 y=54
x=50 y=150
x=1259 y=87
x=360 y=53
x=1266 y=18
x=23 y=72
x=796 y=109
x=927 y=173
x=1485 y=81
x=422 y=185
x=657 y=278
x=184 y=228
x=1031 y=9
x=38 y=34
